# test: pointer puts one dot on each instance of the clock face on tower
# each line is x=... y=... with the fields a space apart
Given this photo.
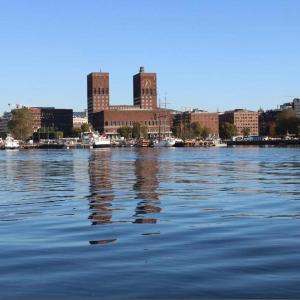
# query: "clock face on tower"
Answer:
x=146 y=83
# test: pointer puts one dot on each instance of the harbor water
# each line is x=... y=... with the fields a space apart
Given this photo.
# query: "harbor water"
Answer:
x=152 y=223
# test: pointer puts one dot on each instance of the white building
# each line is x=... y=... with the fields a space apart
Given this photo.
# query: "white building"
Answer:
x=79 y=118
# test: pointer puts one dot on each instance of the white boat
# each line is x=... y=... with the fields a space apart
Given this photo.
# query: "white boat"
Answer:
x=10 y=143
x=218 y=143
x=165 y=142
x=101 y=141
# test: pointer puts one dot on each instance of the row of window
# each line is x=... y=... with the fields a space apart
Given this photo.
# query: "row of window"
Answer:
x=148 y=92
x=130 y=123
x=101 y=91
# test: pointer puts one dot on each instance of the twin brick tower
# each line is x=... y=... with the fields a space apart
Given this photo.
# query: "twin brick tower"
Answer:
x=144 y=93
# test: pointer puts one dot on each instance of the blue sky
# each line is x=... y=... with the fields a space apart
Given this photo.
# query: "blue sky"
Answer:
x=207 y=54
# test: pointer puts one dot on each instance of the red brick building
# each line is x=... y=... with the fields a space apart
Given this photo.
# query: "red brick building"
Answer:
x=108 y=121
x=145 y=90
x=241 y=118
x=209 y=120
x=108 y=118
x=97 y=92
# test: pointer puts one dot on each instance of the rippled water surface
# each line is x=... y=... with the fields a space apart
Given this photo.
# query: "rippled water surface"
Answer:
x=150 y=223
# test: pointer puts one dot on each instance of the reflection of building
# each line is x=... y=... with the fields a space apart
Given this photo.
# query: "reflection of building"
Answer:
x=100 y=187
x=146 y=171
x=209 y=120
x=241 y=118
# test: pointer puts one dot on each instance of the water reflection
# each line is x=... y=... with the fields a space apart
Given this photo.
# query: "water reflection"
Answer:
x=101 y=192
x=146 y=172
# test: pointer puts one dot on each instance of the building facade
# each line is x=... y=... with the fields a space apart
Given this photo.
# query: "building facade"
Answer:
x=241 y=118
x=209 y=120
x=97 y=92
x=108 y=118
x=296 y=106
x=108 y=121
x=79 y=118
x=50 y=117
x=145 y=90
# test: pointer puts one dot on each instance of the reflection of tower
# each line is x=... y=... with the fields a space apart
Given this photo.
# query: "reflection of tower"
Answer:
x=100 y=187
x=146 y=170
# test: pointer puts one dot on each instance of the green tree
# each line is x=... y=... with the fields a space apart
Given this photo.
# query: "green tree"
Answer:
x=76 y=132
x=136 y=130
x=205 y=132
x=196 y=129
x=246 y=131
x=144 y=131
x=287 y=122
x=125 y=132
x=228 y=130
x=139 y=131
x=21 y=124
x=85 y=127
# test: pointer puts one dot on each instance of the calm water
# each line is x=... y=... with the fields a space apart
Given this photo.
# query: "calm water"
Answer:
x=150 y=223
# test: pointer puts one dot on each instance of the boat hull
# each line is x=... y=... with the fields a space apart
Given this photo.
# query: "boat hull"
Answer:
x=96 y=146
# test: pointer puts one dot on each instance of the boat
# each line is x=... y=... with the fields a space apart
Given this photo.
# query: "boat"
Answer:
x=10 y=143
x=50 y=144
x=165 y=142
x=142 y=143
x=219 y=143
x=101 y=141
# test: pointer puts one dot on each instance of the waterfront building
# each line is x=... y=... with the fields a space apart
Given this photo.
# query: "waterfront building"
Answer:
x=79 y=118
x=156 y=121
x=206 y=119
x=296 y=106
x=50 y=117
x=145 y=90
x=241 y=118
x=108 y=118
x=97 y=92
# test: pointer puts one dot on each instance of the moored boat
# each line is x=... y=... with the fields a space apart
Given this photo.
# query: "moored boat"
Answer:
x=101 y=141
x=10 y=143
x=165 y=142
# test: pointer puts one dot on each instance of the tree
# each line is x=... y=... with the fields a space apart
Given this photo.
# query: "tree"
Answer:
x=136 y=130
x=196 y=129
x=246 y=131
x=287 y=122
x=144 y=131
x=228 y=130
x=76 y=132
x=139 y=131
x=85 y=127
x=270 y=129
x=21 y=124
x=205 y=132
x=125 y=132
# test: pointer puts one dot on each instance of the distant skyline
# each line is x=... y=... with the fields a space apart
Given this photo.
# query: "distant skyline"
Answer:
x=211 y=55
